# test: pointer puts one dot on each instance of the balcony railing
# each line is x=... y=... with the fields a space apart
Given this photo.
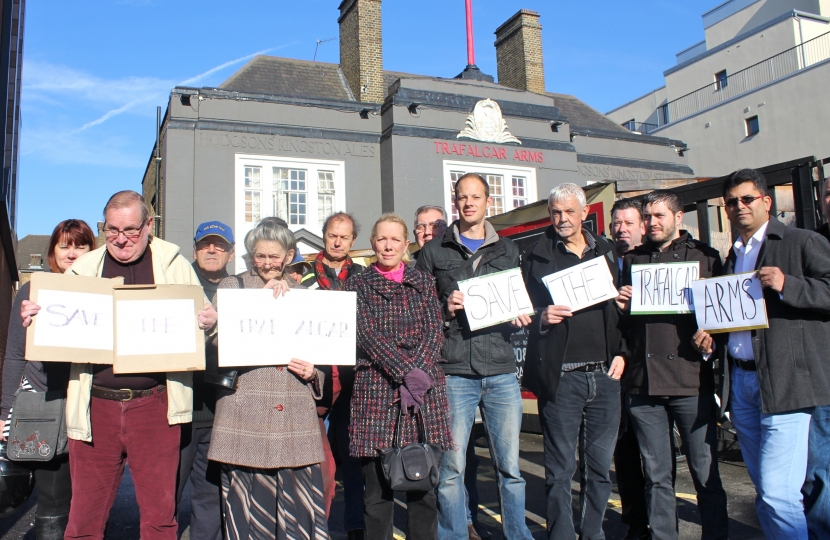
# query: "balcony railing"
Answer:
x=777 y=67
x=640 y=127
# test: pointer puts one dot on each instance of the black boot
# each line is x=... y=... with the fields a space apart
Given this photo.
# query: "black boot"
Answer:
x=50 y=527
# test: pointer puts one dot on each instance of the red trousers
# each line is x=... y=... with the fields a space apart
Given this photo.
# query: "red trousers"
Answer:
x=328 y=468
x=134 y=432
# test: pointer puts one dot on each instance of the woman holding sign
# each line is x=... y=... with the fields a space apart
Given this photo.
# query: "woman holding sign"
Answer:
x=399 y=342
x=70 y=239
x=266 y=433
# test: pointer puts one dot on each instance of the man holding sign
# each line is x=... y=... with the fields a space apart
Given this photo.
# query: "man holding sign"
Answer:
x=667 y=378
x=480 y=365
x=574 y=363
x=778 y=374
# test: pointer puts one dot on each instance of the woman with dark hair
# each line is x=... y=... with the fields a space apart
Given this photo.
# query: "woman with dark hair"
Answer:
x=70 y=239
x=399 y=339
x=265 y=433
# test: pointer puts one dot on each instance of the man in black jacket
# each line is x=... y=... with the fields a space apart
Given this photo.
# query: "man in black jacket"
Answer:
x=669 y=378
x=778 y=374
x=480 y=365
x=574 y=363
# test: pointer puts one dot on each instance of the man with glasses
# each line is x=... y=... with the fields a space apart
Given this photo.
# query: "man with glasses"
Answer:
x=778 y=374
x=134 y=418
x=213 y=247
x=669 y=378
x=430 y=222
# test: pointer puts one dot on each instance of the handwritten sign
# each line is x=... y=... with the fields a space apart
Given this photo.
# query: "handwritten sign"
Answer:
x=157 y=330
x=663 y=288
x=583 y=285
x=75 y=322
x=256 y=329
x=729 y=303
x=495 y=298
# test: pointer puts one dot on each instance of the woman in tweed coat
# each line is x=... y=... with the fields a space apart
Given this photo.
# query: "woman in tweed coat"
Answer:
x=399 y=342
x=266 y=433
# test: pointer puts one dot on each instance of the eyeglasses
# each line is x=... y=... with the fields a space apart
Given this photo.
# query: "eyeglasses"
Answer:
x=434 y=225
x=746 y=200
x=218 y=246
x=131 y=233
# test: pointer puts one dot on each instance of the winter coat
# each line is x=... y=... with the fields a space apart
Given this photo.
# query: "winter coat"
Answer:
x=481 y=353
x=546 y=352
x=663 y=361
x=398 y=329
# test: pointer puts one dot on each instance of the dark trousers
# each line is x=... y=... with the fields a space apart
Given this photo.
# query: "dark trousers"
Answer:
x=421 y=507
x=695 y=420
x=350 y=467
x=54 y=487
x=205 y=483
x=587 y=403
x=631 y=480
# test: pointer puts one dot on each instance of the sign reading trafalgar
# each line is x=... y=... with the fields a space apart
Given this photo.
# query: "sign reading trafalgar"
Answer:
x=729 y=303
x=583 y=285
x=495 y=298
x=256 y=329
x=663 y=288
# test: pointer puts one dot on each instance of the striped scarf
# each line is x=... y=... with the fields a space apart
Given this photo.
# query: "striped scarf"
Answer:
x=323 y=279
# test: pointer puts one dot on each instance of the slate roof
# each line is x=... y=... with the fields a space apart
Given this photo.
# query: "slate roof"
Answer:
x=581 y=115
x=29 y=245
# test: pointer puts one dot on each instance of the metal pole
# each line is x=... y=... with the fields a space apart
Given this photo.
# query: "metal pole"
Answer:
x=471 y=53
x=158 y=169
x=703 y=221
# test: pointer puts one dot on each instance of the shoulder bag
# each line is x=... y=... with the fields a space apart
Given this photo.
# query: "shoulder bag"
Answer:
x=415 y=467
x=38 y=426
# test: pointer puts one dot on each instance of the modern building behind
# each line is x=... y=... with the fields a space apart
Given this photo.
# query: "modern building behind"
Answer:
x=301 y=139
x=752 y=93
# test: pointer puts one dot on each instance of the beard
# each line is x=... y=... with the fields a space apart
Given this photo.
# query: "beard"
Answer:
x=661 y=237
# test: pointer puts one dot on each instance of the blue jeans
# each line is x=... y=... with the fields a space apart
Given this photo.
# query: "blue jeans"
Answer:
x=816 y=489
x=774 y=448
x=501 y=410
x=584 y=399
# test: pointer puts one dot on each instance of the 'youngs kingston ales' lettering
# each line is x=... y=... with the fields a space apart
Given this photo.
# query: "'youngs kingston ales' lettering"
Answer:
x=663 y=288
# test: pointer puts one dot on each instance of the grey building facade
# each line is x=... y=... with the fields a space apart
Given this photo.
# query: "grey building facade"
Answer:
x=303 y=139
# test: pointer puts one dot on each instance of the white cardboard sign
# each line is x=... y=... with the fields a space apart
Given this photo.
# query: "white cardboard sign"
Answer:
x=163 y=326
x=729 y=303
x=256 y=329
x=74 y=319
x=663 y=288
x=583 y=285
x=495 y=298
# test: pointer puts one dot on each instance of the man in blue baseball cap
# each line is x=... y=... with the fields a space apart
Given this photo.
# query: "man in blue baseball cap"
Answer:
x=212 y=251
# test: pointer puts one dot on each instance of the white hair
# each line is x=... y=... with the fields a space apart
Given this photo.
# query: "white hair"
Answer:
x=566 y=191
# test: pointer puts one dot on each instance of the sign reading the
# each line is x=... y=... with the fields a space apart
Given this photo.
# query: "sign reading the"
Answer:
x=495 y=298
x=257 y=329
x=663 y=288
x=729 y=303
x=583 y=285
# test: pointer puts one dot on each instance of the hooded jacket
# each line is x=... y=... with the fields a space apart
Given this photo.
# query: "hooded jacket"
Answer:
x=663 y=361
x=169 y=267
x=481 y=353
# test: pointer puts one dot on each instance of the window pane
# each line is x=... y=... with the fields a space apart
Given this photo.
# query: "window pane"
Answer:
x=253 y=207
x=519 y=186
x=252 y=177
x=325 y=181
x=325 y=207
x=496 y=183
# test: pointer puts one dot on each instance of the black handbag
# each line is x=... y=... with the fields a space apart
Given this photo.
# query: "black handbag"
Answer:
x=415 y=467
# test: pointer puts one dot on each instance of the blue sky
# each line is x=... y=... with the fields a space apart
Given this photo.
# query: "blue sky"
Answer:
x=94 y=71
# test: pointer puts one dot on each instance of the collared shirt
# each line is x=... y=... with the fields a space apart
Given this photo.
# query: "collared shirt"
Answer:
x=590 y=243
x=746 y=257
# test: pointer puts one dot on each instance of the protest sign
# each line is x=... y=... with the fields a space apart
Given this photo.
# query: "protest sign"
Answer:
x=157 y=329
x=75 y=322
x=495 y=298
x=729 y=303
x=256 y=329
x=663 y=288
x=583 y=285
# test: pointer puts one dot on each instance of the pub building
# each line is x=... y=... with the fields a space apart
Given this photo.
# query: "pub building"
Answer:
x=300 y=139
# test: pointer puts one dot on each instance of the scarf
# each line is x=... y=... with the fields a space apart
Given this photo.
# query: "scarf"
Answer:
x=323 y=279
x=395 y=275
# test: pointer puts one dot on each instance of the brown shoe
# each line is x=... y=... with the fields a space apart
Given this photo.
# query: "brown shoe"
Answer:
x=472 y=532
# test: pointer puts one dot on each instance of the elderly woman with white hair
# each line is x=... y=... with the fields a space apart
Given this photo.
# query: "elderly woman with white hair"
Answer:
x=265 y=433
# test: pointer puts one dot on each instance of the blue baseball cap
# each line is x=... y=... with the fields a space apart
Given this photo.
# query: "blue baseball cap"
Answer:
x=214 y=228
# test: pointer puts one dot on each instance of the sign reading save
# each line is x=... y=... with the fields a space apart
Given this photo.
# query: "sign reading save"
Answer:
x=583 y=285
x=729 y=303
x=663 y=288
x=495 y=298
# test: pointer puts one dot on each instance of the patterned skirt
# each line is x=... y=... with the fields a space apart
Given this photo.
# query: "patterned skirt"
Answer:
x=274 y=504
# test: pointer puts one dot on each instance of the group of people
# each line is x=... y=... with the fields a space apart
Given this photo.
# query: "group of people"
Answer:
x=259 y=446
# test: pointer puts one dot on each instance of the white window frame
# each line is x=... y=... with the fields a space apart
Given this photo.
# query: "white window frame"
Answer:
x=267 y=163
x=506 y=171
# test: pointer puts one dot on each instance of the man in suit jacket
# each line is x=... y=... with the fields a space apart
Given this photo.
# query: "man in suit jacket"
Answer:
x=780 y=373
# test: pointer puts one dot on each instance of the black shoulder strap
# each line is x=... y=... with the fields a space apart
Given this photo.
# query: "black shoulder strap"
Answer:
x=468 y=263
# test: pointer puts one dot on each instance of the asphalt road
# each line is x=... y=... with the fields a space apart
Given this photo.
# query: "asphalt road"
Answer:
x=743 y=525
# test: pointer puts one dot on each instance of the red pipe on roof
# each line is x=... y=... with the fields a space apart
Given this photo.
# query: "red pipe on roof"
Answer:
x=471 y=53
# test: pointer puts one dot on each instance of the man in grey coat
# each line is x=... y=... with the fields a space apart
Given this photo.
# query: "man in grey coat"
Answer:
x=780 y=373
